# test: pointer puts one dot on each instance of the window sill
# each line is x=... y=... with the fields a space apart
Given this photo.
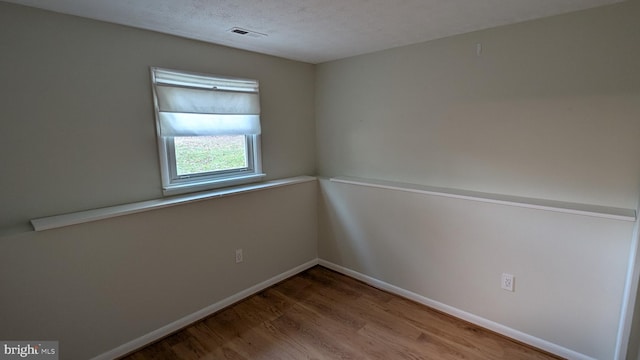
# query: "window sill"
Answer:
x=531 y=203
x=53 y=222
x=211 y=184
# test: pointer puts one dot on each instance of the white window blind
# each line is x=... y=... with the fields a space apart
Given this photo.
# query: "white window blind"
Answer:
x=203 y=105
x=208 y=129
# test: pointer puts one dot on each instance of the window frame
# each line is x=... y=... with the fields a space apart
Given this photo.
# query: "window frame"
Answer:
x=172 y=184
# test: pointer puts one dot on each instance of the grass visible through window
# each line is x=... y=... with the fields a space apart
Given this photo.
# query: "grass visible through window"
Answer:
x=200 y=154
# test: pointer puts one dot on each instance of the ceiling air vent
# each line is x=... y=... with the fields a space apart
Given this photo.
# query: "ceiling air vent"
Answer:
x=245 y=32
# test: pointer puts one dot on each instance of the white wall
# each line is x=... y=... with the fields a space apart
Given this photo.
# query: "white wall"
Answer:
x=77 y=115
x=550 y=109
x=78 y=133
x=96 y=286
x=633 y=345
x=569 y=269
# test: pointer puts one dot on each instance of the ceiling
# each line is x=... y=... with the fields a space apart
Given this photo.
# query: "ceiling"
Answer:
x=314 y=31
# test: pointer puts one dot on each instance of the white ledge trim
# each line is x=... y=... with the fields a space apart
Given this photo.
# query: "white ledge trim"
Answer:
x=53 y=222
x=539 y=204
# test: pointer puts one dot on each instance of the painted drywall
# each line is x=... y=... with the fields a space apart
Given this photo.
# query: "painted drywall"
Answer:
x=99 y=285
x=546 y=109
x=569 y=269
x=549 y=109
x=523 y=118
x=633 y=345
x=77 y=112
x=78 y=133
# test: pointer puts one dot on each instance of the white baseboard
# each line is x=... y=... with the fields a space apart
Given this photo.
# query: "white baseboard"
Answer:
x=200 y=314
x=474 y=319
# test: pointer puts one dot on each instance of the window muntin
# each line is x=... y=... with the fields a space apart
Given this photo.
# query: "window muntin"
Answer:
x=208 y=130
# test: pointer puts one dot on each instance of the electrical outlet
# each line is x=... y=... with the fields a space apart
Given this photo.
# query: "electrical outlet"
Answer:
x=238 y=256
x=507 y=282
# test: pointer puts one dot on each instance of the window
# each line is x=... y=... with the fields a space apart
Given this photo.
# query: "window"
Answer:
x=208 y=130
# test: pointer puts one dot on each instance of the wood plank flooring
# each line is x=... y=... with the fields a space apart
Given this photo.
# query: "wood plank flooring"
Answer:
x=320 y=314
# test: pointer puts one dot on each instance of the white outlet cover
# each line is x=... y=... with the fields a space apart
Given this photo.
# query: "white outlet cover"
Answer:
x=507 y=282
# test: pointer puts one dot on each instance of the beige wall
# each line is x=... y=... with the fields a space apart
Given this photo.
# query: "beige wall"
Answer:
x=569 y=269
x=550 y=109
x=77 y=115
x=634 y=338
x=78 y=133
x=96 y=286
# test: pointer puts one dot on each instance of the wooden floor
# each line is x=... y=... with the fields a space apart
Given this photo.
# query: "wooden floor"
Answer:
x=320 y=314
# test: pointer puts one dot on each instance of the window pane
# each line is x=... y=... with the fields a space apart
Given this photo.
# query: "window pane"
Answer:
x=203 y=154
